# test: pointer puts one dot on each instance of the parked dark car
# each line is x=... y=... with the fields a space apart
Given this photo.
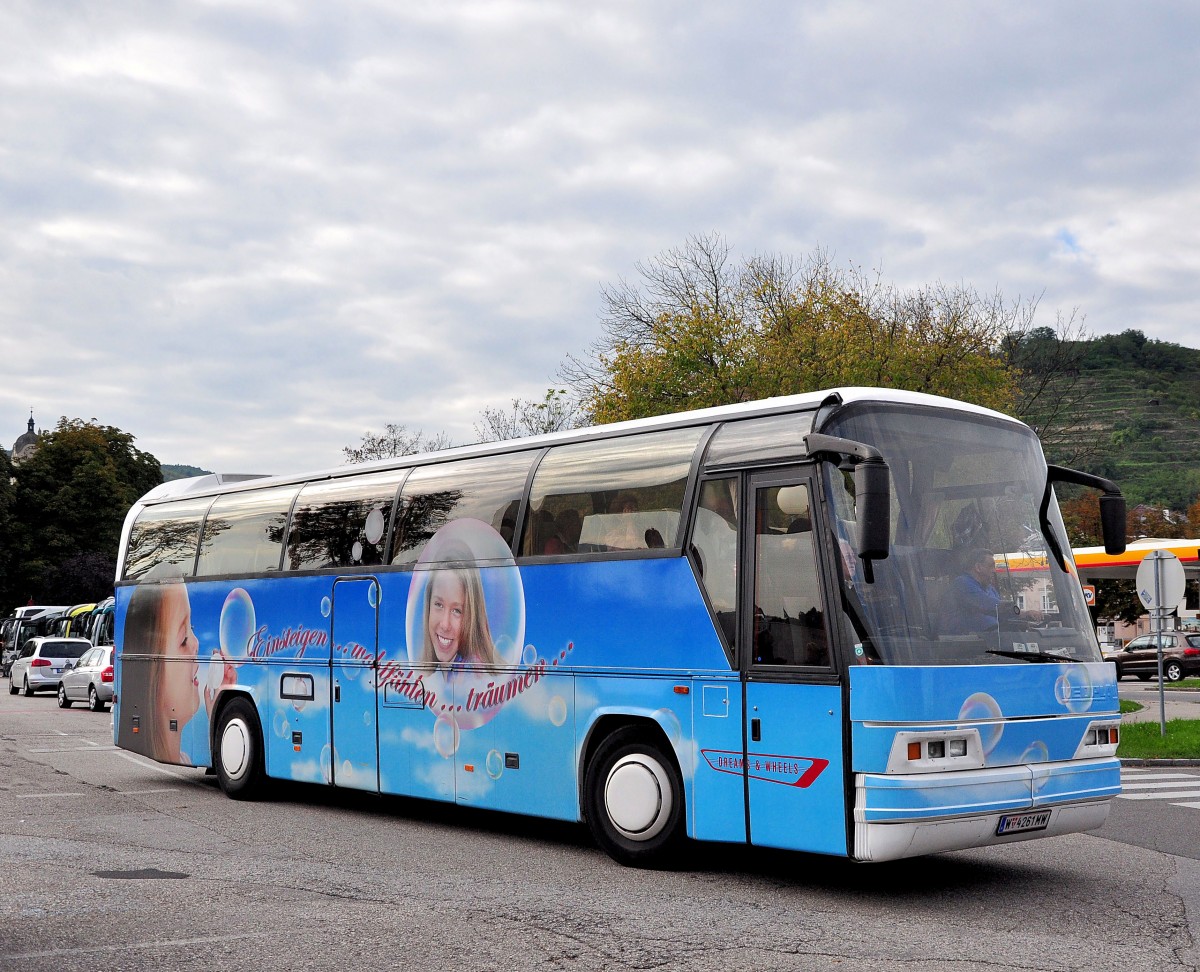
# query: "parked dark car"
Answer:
x=90 y=681
x=1181 y=656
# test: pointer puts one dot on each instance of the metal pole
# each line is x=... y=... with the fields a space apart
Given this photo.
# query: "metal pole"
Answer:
x=1158 y=626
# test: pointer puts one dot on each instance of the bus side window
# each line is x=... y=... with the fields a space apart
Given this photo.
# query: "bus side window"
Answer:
x=168 y=533
x=714 y=550
x=243 y=532
x=487 y=489
x=610 y=495
x=342 y=523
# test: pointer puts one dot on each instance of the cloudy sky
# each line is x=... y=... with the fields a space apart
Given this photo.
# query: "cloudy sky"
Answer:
x=248 y=232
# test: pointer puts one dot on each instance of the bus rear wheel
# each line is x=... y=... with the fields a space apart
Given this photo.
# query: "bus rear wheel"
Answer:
x=634 y=800
x=238 y=751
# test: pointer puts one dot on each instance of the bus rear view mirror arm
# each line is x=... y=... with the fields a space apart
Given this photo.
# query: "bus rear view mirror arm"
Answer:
x=871 y=492
x=1112 y=503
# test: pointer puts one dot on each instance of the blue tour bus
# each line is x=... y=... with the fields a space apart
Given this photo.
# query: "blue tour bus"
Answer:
x=789 y=623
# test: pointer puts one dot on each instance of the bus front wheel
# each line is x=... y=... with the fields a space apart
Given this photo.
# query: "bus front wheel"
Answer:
x=238 y=756
x=634 y=799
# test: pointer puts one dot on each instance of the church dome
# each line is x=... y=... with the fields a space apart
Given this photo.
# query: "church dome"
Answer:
x=26 y=445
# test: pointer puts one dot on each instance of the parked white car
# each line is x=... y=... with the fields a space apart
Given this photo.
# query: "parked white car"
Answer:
x=42 y=661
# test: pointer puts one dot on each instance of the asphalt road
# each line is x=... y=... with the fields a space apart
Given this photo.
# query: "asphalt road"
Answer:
x=110 y=861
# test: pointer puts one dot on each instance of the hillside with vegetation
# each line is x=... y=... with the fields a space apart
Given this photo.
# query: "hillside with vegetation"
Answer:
x=1130 y=410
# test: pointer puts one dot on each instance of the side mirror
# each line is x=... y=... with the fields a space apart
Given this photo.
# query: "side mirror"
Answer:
x=1112 y=503
x=871 y=492
x=1112 y=523
x=874 y=508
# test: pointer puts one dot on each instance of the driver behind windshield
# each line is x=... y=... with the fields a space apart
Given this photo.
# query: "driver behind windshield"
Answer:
x=972 y=601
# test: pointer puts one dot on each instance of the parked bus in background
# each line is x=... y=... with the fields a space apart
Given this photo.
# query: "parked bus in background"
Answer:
x=99 y=630
x=26 y=622
x=788 y=623
x=71 y=623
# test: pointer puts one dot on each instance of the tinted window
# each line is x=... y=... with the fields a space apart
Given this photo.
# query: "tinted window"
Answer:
x=487 y=489
x=615 y=494
x=772 y=437
x=343 y=522
x=165 y=534
x=243 y=532
x=63 y=649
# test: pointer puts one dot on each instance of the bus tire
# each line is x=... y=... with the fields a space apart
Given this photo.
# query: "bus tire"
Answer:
x=634 y=800
x=238 y=751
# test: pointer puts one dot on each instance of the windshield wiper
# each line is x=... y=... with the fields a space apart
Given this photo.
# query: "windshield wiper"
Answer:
x=1033 y=656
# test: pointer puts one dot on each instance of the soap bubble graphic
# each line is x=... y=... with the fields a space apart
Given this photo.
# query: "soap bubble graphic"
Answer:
x=671 y=725
x=982 y=708
x=446 y=735
x=237 y=624
x=494 y=764
x=281 y=725
x=356 y=552
x=1037 y=752
x=557 y=710
x=1073 y=689
x=326 y=607
x=375 y=525
x=529 y=656
x=327 y=763
x=373 y=595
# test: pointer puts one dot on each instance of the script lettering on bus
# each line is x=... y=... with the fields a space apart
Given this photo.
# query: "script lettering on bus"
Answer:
x=492 y=695
x=264 y=645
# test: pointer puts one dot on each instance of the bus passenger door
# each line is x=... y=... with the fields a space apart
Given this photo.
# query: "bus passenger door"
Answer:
x=352 y=683
x=793 y=766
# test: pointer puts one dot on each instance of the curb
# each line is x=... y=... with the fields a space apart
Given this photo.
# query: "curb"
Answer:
x=1160 y=762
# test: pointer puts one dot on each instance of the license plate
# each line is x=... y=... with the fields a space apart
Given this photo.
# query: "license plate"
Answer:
x=1012 y=823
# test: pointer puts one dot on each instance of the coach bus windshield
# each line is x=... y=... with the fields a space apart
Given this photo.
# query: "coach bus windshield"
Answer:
x=971 y=577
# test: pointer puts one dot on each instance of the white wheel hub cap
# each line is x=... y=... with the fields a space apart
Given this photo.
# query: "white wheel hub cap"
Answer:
x=637 y=796
x=235 y=749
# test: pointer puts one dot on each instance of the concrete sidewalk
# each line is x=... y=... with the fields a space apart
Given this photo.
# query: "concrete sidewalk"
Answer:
x=1150 y=713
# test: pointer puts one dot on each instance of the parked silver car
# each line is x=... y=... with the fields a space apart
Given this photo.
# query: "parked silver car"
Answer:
x=42 y=661
x=91 y=680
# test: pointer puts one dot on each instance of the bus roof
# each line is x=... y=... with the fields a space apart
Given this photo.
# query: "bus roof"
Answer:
x=220 y=482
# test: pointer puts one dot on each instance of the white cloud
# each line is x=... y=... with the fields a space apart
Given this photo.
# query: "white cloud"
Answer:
x=264 y=228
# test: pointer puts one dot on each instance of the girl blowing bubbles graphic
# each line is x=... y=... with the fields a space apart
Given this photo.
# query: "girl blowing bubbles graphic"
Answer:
x=160 y=676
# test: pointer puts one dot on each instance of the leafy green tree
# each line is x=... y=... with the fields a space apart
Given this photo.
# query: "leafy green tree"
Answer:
x=700 y=328
x=72 y=496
